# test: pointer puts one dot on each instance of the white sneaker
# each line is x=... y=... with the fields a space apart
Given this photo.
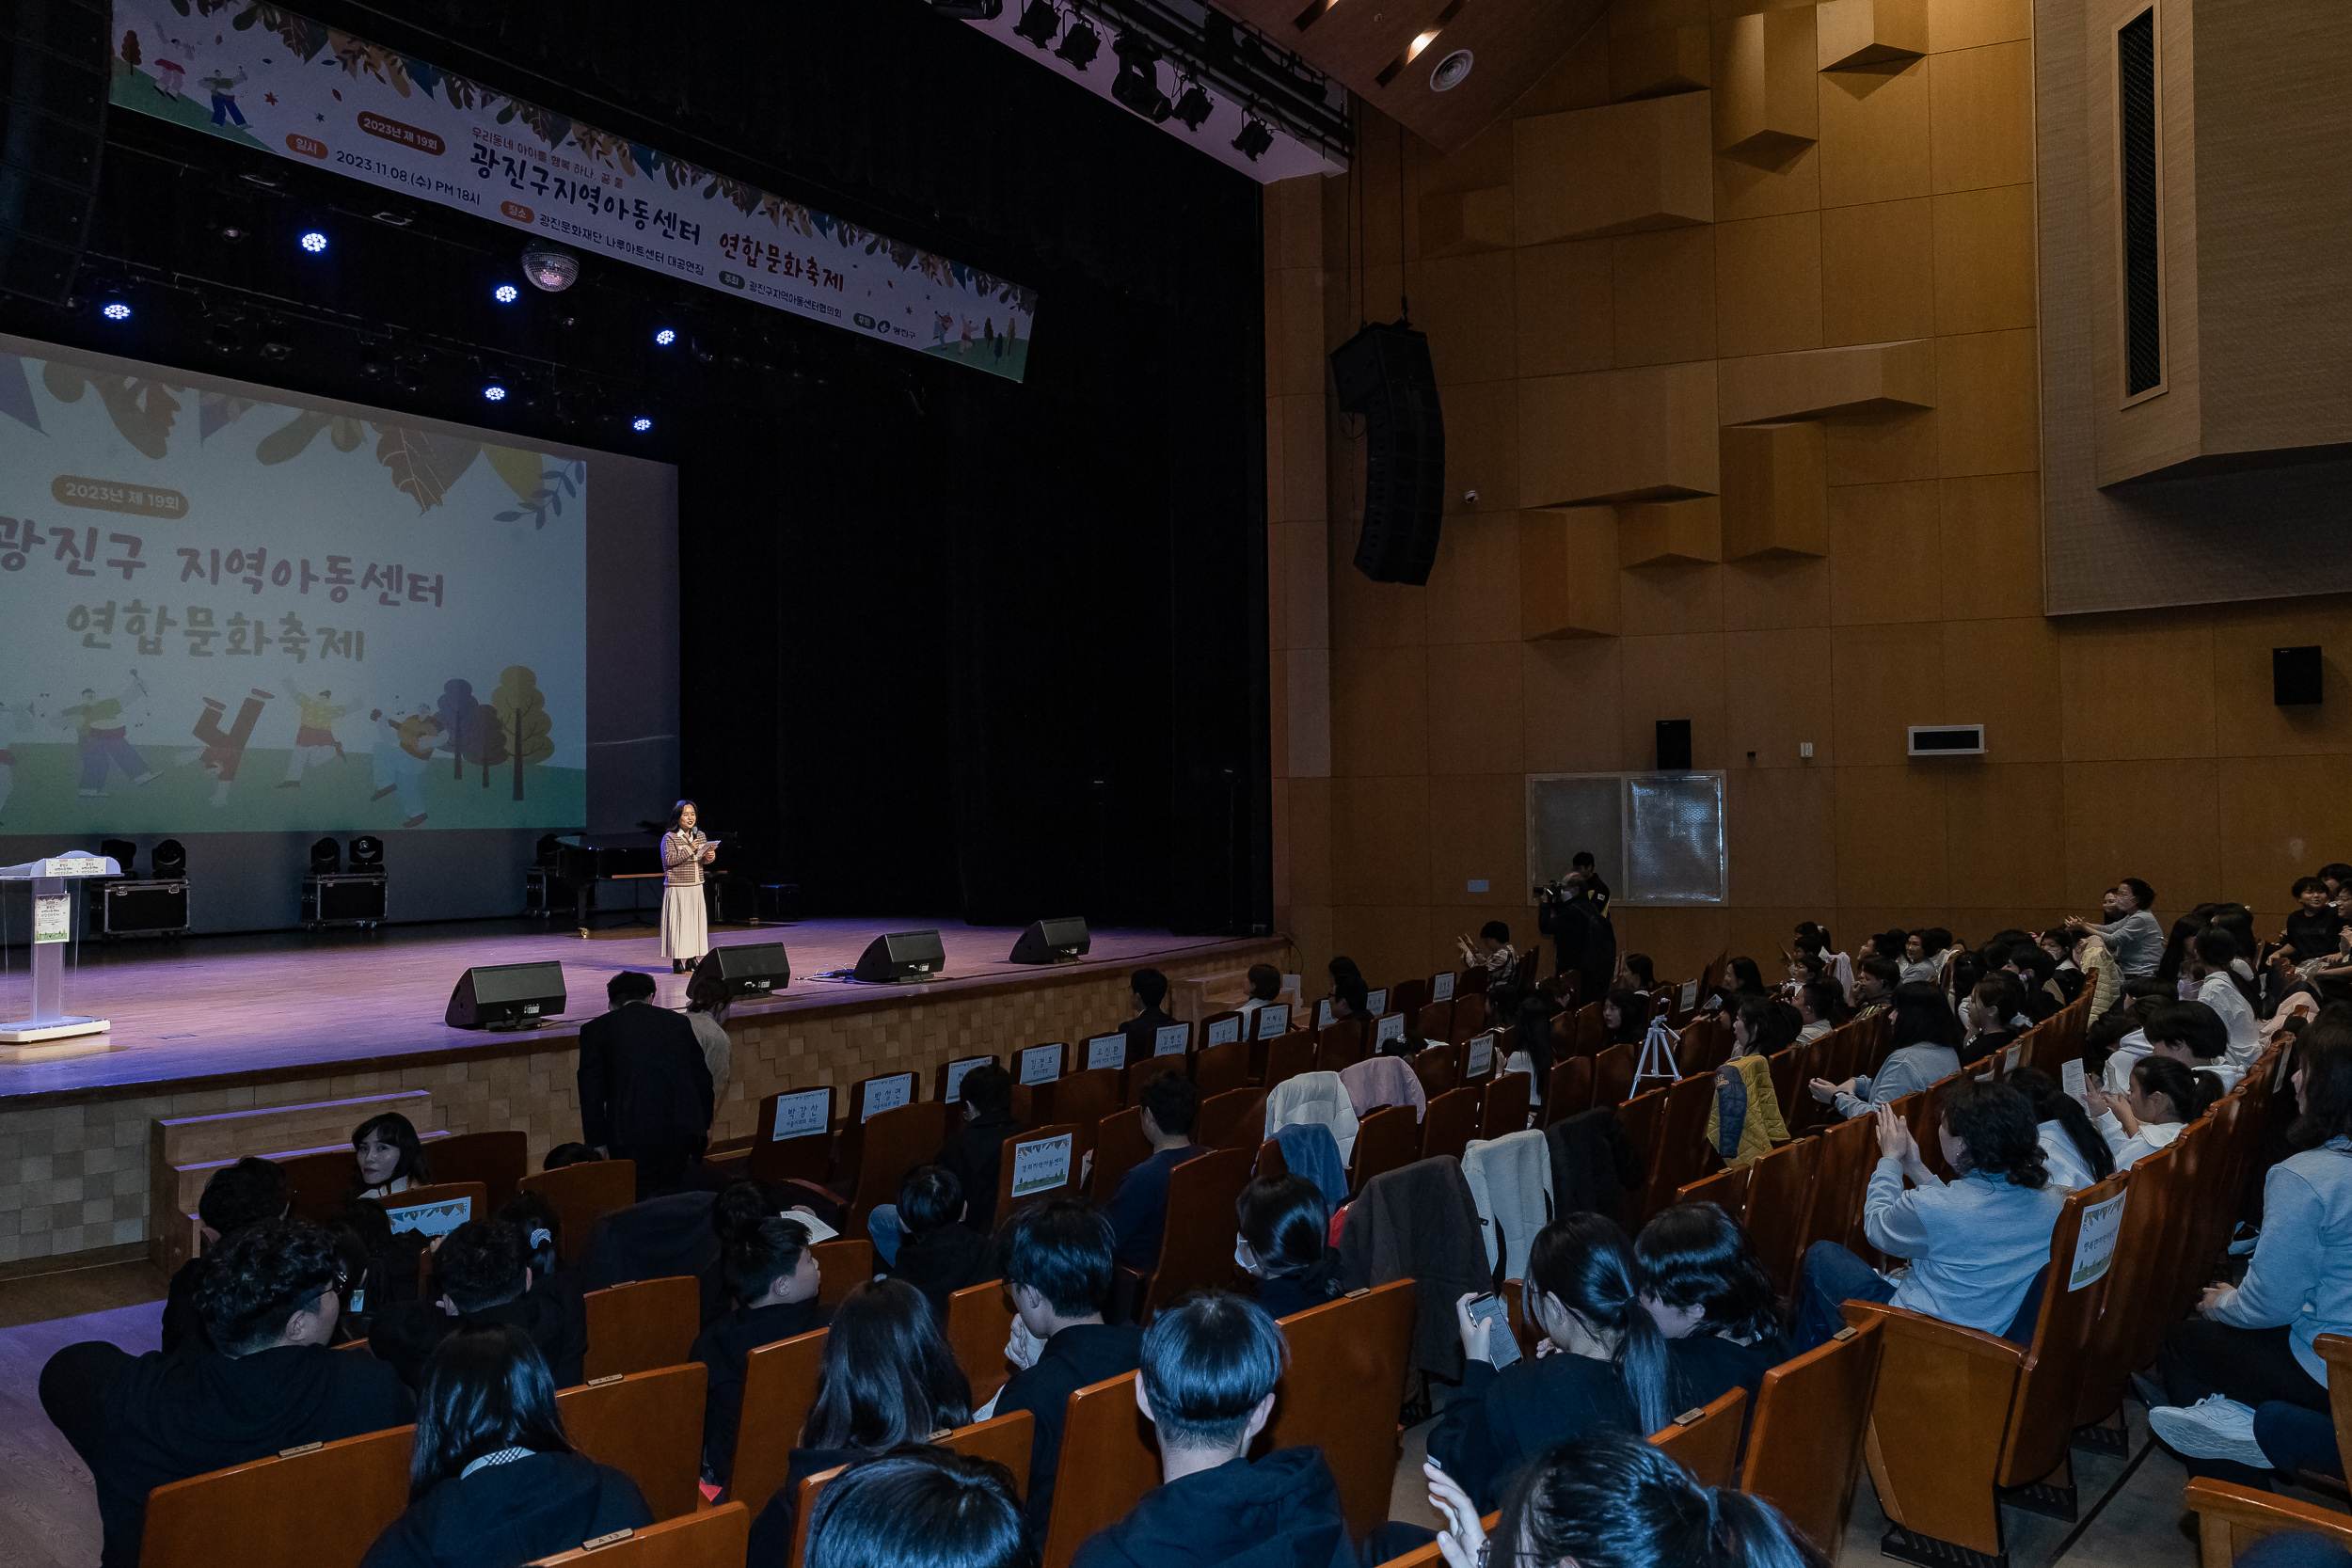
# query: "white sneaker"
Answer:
x=2213 y=1427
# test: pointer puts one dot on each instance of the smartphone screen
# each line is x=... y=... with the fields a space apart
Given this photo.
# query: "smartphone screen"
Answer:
x=1503 y=1346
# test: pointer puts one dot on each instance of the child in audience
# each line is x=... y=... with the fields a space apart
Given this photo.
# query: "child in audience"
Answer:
x=2194 y=1036
x=1708 y=1292
x=921 y=1508
x=1283 y=1224
x=1973 y=1244
x=1611 y=1500
x=1743 y=1123
x=1821 y=1007
x=2250 y=1343
x=773 y=1272
x=264 y=1382
x=1057 y=1270
x=1610 y=1370
x=887 y=1378
x=1638 y=969
x=2072 y=1151
x=492 y=1480
x=1210 y=1365
x=236 y=1196
x=2163 y=1099
x=1625 y=1017
x=937 y=1254
x=1995 y=1017
x=485 y=1283
x=390 y=1156
x=2313 y=927
x=1926 y=1051
x=2210 y=965
x=1138 y=1210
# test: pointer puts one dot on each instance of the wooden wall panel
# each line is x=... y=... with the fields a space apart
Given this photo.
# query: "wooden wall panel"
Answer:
x=1874 y=135
x=1768 y=284
x=1878 y=272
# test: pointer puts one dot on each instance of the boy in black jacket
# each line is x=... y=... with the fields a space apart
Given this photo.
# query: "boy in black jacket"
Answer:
x=266 y=1380
x=247 y=1192
x=773 y=1272
x=1209 y=1370
x=937 y=1255
x=484 y=1282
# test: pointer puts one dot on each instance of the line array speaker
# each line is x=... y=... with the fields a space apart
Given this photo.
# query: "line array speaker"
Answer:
x=56 y=64
x=1383 y=372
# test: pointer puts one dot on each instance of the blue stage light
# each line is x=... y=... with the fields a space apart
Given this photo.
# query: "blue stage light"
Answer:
x=641 y=425
x=314 y=241
x=506 y=293
x=115 y=311
x=494 y=391
x=664 y=338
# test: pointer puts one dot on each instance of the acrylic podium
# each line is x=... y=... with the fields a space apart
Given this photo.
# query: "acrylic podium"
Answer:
x=53 y=928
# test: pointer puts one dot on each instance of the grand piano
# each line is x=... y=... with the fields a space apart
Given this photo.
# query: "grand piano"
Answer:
x=607 y=857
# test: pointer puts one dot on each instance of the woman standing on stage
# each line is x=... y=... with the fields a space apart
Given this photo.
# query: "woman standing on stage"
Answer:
x=685 y=931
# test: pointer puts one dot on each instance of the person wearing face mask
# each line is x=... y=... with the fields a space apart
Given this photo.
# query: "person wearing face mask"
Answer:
x=390 y=1156
x=1282 y=1225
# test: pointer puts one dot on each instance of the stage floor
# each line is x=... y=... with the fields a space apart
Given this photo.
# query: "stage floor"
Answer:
x=205 y=1008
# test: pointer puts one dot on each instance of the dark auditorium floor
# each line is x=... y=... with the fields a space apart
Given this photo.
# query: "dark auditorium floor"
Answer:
x=2130 y=1509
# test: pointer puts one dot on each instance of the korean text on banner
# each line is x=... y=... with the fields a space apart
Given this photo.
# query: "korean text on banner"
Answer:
x=1106 y=1051
x=53 y=916
x=2094 y=1244
x=802 y=1114
x=1171 y=1039
x=1041 y=1165
x=887 y=1093
x=1040 y=1064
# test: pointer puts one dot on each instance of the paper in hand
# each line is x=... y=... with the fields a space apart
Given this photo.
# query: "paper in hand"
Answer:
x=818 y=1230
x=2070 y=1078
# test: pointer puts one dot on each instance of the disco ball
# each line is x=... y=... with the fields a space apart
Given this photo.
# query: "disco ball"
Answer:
x=549 y=268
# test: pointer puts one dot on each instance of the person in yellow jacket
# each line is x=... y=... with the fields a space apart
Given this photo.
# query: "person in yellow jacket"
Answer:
x=1744 y=1123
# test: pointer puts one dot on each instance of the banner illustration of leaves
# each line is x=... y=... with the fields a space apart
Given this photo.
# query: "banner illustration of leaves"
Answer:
x=404 y=452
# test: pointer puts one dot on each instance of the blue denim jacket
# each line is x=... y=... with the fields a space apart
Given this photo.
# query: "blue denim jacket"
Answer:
x=2301 y=1274
x=1973 y=1245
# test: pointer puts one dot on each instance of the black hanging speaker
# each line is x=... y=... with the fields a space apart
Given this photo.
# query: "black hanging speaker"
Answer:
x=901 y=956
x=1383 y=372
x=748 y=967
x=2295 y=677
x=506 y=996
x=57 y=60
x=1674 y=745
x=1052 y=942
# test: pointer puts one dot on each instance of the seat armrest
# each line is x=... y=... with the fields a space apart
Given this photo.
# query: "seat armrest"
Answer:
x=1934 y=1332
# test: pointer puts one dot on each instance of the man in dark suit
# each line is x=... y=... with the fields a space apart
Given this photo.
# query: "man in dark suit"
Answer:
x=1149 y=987
x=645 y=1088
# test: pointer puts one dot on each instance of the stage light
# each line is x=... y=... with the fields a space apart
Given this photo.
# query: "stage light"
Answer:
x=494 y=390
x=313 y=241
x=1193 y=106
x=1138 y=86
x=367 y=854
x=549 y=266
x=1254 y=139
x=641 y=425
x=664 y=338
x=1080 y=44
x=970 y=10
x=1040 y=21
x=327 y=858
x=116 y=310
x=168 y=859
x=506 y=293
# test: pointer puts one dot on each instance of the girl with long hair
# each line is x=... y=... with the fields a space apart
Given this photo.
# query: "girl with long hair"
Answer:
x=1713 y=1298
x=390 y=1156
x=1282 y=1225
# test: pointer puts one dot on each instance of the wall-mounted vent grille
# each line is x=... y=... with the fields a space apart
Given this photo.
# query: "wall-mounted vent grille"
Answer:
x=2143 y=292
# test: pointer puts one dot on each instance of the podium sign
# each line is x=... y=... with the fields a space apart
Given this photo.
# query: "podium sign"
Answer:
x=53 y=928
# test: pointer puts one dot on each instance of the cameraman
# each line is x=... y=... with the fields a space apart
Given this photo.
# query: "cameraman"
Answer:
x=1574 y=912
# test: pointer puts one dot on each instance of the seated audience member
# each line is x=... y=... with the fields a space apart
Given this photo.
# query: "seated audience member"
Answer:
x=1804 y=967
x=2163 y=1099
x=380 y=1263
x=1610 y=1370
x=247 y=1192
x=1920 y=963
x=773 y=1271
x=563 y=1155
x=1057 y=1270
x=1531 y=1042
x=1973 y=1245
x=1926 y=1051
x=1744 y=1123
x=937 y=1253
x=2193 y=1035
x=2072 y=1150
x=706 y=1012
x=1266 y=987
x=645 y=1087
x=1283 y=1226
x=734 y=1214
x=1874 y=982
x=1210 y=1365
x=2313 y=926
x=1821 y=1007
x=1625 y=1017
x=1742 y=980
x=887 y=1379
x=2121 y=1033
x=485 y=1283
x=1639 y=970
x=1490 y=950
x=1149 y=988
x=920 y=1508
x=2208 y=964
x=2037 y=976
x=265 y=1380
x=973 y=1154
x=656 y=1238
x=2281 y=1436
x=1351 y=999
x=492 y=1480
x=2252 y=1342
x=2066 y=975
x=1709 y=1293
x=1139 y=1211
x=1611 y=1500
x=392 y=1157
x=1995 y=1017
x=2131 y=932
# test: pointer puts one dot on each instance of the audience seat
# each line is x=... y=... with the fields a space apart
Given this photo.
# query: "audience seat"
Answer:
x=939 y=1076
x=714 y=1538
x=807 y=1158
x=1288 y=1056
x=2336 y=1350
x=1109 y=1461
x=1726 y=1189
x=1119 y=1147
x=1408 y=997
x=1682 y=1153
x=1706 y=1441
x=647 y=1425
x=1221 y=1069
x=1451 y=1124
x=498 y=1160
x=641 y=1325
x=1197 y=1248
x=1641 y=1119
x=1215 y=1026
x=1592 y=1032
x=1081 y=1099
x=843 y=1264
x=2230 y=1518
x=1841 y=1174
x=1234 y=1119
x=1341 y=1045
x=1433 y=1021
x=1349 y=1359
x=2134 y=1316
x=779 y=1386
x=318 y=1507
x=1437 y=1066
x=1009 y=1161
x=1779 y=1198
x=1433 y=1555
x=894 y=1143
x=1470 y=1008
x=1142 y=1071
x=581 y=1195
x=1385 y=1139
x=980 y=1321
x=1503 y=1111
x=1805 y=1446
x=1613 y=1075
x=1570 y=1090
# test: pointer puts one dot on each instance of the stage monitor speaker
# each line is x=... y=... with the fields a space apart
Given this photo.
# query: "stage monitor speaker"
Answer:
x=901 y=956
x=1383 y=373
x=2295 y=677
x=506 y=996
x=57 y=66
x=1052 y=942
x=748 y=967
x=1674 y=745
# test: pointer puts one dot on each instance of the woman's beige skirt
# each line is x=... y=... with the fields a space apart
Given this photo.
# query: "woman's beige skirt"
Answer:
x=685 y=927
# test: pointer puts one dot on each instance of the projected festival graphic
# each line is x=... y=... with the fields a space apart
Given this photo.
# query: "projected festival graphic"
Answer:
x=225 y=612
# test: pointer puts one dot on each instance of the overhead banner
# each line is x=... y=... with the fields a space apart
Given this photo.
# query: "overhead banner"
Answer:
x=266 y=77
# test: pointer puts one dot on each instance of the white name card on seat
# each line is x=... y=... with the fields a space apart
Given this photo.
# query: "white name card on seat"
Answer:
x=1391 y=1027
x=1689 y=995
x=956 y=1071
x=2094 y=1244
x=1324 y=1018
x=887 y=1093
x=1273 y=1019
x=1040 y=1064
x=433 y=1219
x=1225 y=1031
x=1106 y=1051
x=1442 y=986
x=1041 y=1165
x=1481 y=1055
x=802 y=1116
x=1376 y=1001
x=1171 y=1039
